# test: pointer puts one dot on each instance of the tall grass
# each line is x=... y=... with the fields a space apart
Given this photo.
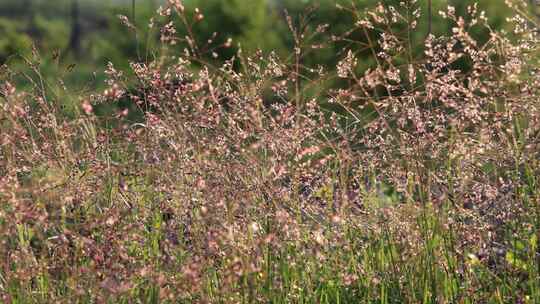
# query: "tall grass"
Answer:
x=265 y=180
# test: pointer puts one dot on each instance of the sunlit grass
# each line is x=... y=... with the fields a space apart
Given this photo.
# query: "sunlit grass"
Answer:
x=251 y=182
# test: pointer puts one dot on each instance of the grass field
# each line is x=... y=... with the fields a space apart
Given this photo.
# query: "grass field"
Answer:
x=262 y=180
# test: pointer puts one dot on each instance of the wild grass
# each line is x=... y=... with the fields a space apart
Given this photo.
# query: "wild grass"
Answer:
x=265 y=180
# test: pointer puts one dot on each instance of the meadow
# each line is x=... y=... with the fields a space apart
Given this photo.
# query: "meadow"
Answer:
x=407 y=172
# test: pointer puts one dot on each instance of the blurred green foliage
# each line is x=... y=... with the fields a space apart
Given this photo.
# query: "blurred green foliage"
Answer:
x=252 y=24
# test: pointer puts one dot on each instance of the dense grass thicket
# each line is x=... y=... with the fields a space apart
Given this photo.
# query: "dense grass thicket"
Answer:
x=268 y=180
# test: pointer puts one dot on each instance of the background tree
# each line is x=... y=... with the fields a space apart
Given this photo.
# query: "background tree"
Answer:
x=75 y=37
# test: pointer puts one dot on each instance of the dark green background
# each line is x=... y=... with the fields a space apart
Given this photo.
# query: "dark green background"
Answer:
x=100 y=37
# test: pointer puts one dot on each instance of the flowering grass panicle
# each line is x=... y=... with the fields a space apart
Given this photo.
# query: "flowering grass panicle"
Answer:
x=262 y=179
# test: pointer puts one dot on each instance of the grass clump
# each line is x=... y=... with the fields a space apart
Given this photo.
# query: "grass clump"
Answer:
x=265 y=180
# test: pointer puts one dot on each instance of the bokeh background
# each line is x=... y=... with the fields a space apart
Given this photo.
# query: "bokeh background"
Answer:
x=76 y=39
